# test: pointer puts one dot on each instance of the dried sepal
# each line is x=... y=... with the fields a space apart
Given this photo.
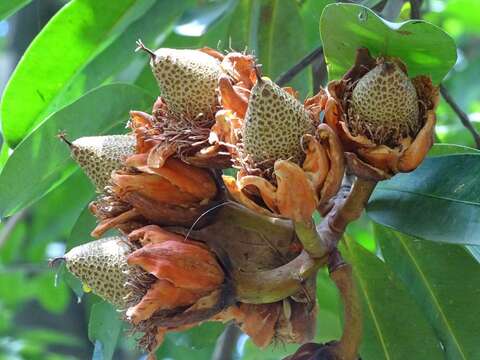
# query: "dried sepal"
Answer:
x=297 y=190
x=380 y=159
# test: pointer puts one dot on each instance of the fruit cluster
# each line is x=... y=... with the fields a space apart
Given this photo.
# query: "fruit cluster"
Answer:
x=157 y=183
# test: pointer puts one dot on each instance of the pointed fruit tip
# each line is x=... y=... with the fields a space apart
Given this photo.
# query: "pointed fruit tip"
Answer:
x=257 y=68
x=55 y=262
x=62 y=135
x=141 y=47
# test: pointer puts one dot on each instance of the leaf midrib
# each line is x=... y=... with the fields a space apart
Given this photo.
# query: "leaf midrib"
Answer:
x=435 y=302
x=437 y=197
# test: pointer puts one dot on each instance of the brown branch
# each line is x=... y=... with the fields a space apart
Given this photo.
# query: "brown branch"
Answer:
x=348 y=206
x=348 y=345
x=461 y=115
x=302 y=64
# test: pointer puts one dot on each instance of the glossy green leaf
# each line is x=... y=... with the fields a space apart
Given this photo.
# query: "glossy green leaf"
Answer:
x=311 y=11
x=118 y=60
x=280 y=41
x=439 y=201
x=450 y=149
x=71 y=40
x=425 y=48
x=394 y=326
x=42 y=162
x=104 y=330
x=53 y=295
x=444 y=280
x=55 y=215
x=198 y=342
x=196 y=21
x=10 y=7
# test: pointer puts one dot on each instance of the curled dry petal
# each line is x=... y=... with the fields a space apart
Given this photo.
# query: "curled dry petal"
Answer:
x=153 y=234
x=192 y=180
x=183 y=264
x=231 y=97
x=234 y=189
x=298 y=191
x=417 y=151
x=259 y=322
x=364 y=157
x=162 y=295
x=158 y=189
x=299 y=204
x=336 y=169
x=241 y=68
x=298 y=324
x=214 y=53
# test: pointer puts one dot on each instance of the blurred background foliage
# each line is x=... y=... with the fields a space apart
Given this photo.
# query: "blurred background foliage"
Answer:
x=89 y=44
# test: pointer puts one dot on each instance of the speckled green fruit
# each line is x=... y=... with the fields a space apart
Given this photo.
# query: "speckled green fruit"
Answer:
x=102 y=266
x=384 y=105
x=98 y=156
x=274 y=124
x=188 y=81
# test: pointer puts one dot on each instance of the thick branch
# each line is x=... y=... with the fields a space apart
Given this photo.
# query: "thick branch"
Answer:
x=348 y=345
x=315 y=245
x=346 y=209
x=268 y=286
x=461 y=115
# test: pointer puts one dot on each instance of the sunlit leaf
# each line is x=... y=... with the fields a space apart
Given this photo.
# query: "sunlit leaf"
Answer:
x=394 y=326
x=42 y=162
x=104 y=330
x=196 y=21
x=70 y=41
x=10 y=7
x=444 y=280
x=439 y=201
x=425 y=48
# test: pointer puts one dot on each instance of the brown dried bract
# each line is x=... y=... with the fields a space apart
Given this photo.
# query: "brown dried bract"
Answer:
x=364 y=157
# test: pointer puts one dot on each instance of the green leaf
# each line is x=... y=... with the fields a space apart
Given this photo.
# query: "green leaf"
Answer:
x=199 y=337
x=425 y=48
x=439 y=201
x=53 y=295
x=280 y=43
x=394 y=326
x=449 y=149
x=311 y=11
x=42 y=162
x=104 y=327
x=196 y=21
x=10 y=7
x=444 y=281
x=71 y=39
x=273 y=31
x=118 y=60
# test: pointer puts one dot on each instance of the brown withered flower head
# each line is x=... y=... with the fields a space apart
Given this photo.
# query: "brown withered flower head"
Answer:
x=288 y=163
x=195 y=85
x=384 y=119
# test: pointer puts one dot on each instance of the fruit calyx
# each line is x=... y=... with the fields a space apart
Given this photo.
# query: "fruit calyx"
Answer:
x=274 y=125
x=384 y=105
x=187 y=79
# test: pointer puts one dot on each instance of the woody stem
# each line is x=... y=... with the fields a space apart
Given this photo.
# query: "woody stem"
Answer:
x=341 y=274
